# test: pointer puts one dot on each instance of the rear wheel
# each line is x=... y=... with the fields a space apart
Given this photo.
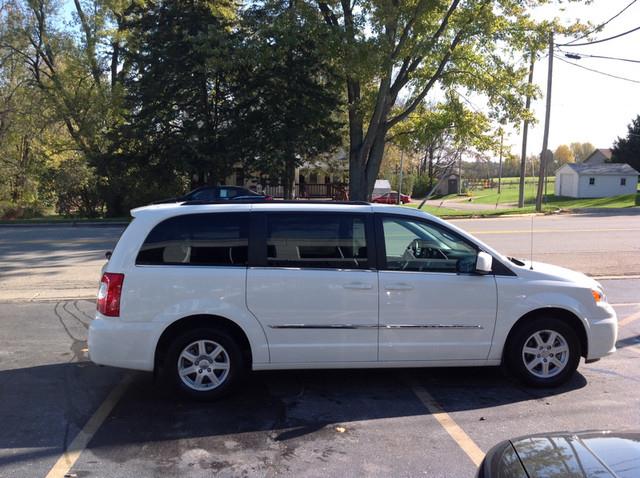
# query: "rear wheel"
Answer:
x=543 y=352
x=203 y=363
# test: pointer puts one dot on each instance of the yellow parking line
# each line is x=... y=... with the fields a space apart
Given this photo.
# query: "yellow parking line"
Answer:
x=628 y=319
x=80 y=442
x=463 y=440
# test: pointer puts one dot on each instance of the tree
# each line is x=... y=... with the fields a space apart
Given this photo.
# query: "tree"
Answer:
x=563 y=155
x=287 y=93
x=176 y=107
x=627 y=150
x=412 y=47
x=581 y=151
x=442 y=133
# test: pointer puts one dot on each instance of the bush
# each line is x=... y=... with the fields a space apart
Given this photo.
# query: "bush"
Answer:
x=407 y=184
x=421 y=186
x=23 y=210
x=73 y=184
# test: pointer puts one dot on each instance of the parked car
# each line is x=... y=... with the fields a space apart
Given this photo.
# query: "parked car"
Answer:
x=565 y=455
x=217 y=193
x=392 y=198
x=200 y=293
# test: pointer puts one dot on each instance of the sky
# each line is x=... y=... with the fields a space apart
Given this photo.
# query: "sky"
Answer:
x=587 y=106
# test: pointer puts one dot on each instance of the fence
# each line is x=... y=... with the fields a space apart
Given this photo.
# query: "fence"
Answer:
x=311 y=191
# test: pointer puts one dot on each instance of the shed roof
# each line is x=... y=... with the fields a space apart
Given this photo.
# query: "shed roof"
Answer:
x=607 y=169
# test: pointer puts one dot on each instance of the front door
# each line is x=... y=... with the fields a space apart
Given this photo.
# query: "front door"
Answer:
x=316 y=296
x=433 y=306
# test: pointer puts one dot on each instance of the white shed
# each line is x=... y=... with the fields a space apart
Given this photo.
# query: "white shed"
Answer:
x=381 y=187
x=596 y=180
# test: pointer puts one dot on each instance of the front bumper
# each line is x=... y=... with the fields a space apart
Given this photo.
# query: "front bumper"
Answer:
x=122 y=344
x=603 y=334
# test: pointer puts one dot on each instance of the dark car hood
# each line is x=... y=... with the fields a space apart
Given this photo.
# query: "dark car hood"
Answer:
x=578 y=455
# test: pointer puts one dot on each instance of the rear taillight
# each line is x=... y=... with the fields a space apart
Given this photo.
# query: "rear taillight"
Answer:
x=109 y=294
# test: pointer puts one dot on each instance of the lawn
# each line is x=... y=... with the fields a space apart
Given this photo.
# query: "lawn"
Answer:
x=509 y=197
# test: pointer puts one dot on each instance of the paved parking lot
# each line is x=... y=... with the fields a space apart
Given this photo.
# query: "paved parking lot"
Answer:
x=61 y=414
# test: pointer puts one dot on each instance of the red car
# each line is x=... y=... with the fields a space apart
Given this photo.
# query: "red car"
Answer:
x=392 y=198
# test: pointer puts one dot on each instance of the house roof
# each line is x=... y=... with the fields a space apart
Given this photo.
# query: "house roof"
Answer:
x=608 y=169
x=606 y=152
x=603 y=153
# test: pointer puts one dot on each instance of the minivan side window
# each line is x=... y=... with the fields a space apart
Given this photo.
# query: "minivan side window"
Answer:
x=335 y=241
x=419 y=246
x=219 y=239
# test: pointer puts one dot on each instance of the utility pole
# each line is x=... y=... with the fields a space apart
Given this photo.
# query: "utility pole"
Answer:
x=525 y=133
x=545 y=139
x=399 y=200
x=500 y=166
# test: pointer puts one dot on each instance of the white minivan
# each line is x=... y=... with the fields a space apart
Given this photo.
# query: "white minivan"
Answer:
x=199 y=293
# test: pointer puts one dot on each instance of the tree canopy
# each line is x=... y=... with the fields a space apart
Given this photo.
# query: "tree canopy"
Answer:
x=627 y=150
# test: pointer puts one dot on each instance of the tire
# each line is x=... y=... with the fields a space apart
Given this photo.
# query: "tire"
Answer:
x=543 y=352
x=203 y=364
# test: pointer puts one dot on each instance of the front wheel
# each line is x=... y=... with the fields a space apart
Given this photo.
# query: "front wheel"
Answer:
x=203 y=363
x=543 y=352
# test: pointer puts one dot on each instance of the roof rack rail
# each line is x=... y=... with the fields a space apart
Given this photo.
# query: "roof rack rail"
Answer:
x=274 y=201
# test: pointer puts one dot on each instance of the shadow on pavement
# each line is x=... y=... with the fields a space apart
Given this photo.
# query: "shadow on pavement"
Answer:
x=44 y=407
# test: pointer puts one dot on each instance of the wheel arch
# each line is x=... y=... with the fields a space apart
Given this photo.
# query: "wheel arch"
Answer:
x=565 y=315
x=196 y=321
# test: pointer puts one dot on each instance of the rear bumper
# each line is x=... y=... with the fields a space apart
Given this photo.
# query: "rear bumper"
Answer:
x=603 y=334
x=121 y=344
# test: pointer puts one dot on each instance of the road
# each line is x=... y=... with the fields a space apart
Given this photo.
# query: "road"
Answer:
x=424 y=422
x=64 y=262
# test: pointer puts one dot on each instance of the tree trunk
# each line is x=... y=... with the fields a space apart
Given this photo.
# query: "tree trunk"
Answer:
x=374 y=161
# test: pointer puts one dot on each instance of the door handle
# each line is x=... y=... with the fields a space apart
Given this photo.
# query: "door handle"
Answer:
x=398 y=286
x=357 y=285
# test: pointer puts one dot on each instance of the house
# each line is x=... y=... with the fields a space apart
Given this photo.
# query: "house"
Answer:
x=595 y=177
x=324 y=177
x=599 y=156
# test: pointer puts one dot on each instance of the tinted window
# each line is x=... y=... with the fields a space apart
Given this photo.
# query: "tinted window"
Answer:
x=228 y=193
x=207 y=194
x=418 y=246
x=198 y=239
x=317 y=240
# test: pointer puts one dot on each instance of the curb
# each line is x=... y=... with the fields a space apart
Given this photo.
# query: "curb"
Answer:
x=67 y=224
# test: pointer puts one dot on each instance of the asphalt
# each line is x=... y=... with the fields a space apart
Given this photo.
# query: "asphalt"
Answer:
x=298 y=423
x=48 y=263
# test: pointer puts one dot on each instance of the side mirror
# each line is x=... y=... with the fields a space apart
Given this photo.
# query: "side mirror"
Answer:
x=484 y=263
x=107 y=255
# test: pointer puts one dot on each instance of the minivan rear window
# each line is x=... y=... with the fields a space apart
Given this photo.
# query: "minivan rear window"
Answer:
x=317 y=240
x=219 y=239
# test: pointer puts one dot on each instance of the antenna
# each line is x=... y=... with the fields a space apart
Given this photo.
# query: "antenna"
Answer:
x=531 y=262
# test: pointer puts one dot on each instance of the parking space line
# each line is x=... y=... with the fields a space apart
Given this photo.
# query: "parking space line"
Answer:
x=463 y=440
x=628 y=319
x=80 y=442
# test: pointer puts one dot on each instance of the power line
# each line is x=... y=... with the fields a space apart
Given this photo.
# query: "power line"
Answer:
x=599 y=27
x=578 y=56
x=597 y=71
x=602 y=40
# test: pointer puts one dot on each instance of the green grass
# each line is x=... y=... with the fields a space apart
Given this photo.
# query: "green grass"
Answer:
x=509 y=197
